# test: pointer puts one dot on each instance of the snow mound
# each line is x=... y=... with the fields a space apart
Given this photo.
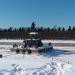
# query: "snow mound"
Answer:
x=52 y=68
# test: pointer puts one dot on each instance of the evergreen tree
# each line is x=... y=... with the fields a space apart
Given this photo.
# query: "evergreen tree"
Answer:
x=69 y=28
x=20 y=29
x=73 y=29
x=63 y=29
x=33 y=26
x=59 y=28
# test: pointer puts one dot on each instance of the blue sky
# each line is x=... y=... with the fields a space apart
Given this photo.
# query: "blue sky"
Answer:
x=46 y=13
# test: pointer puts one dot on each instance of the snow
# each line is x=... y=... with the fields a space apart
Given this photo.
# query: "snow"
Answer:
x=46 y=41
x=10 y=40
x=59 y=41
x=58 y=62
x=51 y=68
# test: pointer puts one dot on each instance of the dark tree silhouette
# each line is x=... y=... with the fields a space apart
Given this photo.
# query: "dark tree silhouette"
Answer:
x=44 y=33
x=33 y=26
x=63 y=29
x=10 y=29
x=59 y=29
x=20 y=29
x=73 y=29
x=69 y=29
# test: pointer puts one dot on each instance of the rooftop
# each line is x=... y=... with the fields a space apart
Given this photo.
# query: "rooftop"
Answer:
x=33 y=33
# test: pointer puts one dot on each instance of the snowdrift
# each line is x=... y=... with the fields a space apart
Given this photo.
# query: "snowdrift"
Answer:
x=52 y=68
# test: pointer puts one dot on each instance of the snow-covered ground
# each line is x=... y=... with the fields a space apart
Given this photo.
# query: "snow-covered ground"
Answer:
x=59 y=41
x=46 y=41
x=58 y=62
x=11 y=40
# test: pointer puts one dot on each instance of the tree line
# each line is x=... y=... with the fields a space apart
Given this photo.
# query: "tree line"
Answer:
x=44 y=33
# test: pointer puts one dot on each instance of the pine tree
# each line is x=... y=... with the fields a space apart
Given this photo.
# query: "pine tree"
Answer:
x=69 y=29
x=33 y=26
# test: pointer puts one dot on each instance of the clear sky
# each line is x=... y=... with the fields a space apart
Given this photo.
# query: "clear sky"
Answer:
x=46 y=13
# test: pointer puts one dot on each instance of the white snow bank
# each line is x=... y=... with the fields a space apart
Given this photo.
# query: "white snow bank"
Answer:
x=59 y=41
x=5 y=46
x=52 y=68
x=46 y=41
x=11 y=40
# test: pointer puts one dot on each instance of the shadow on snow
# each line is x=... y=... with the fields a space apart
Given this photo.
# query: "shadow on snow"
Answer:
x=57 y=52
